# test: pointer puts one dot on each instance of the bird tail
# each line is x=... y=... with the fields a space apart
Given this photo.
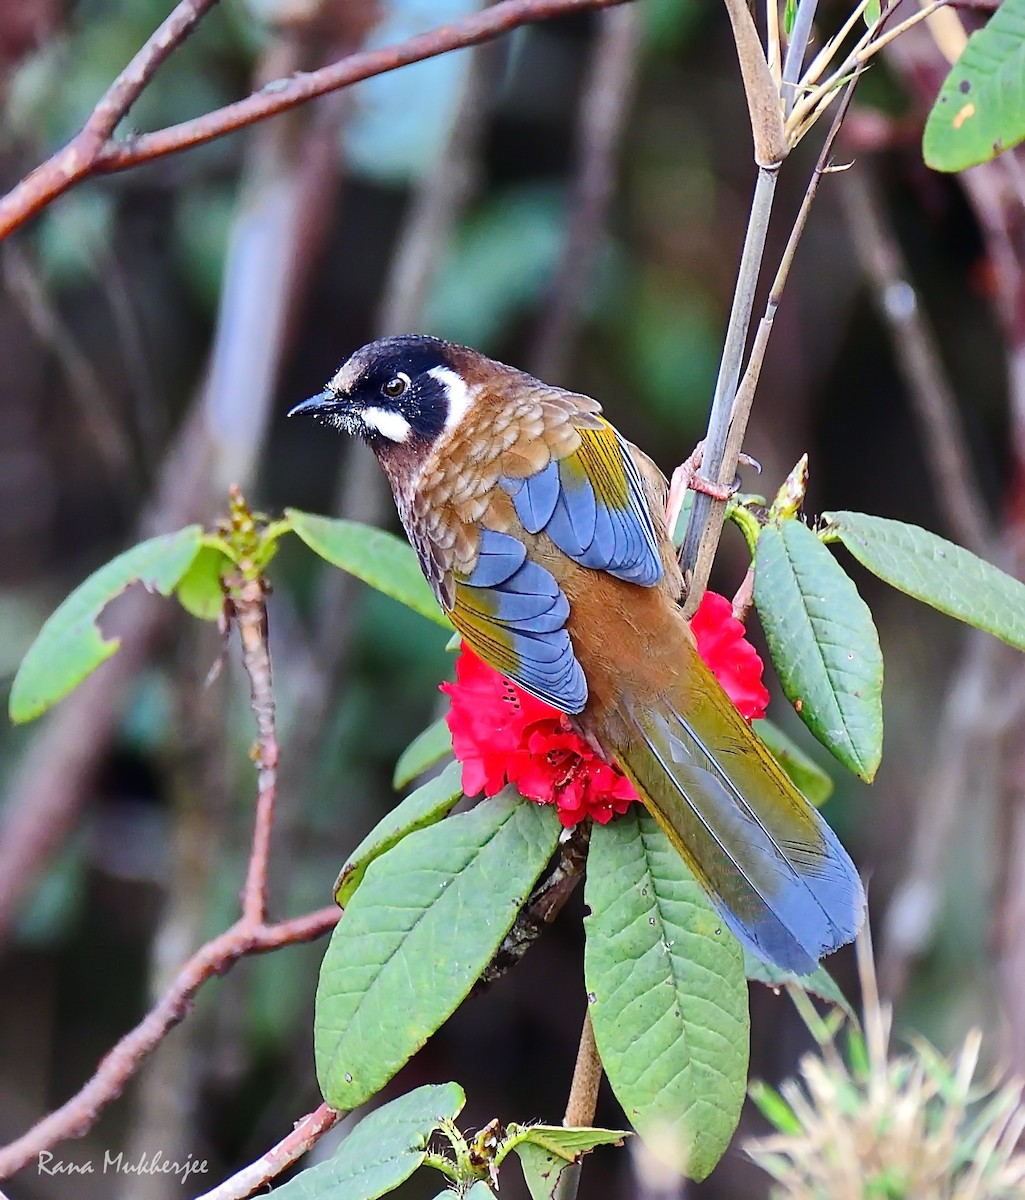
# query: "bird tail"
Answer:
x=772 y=867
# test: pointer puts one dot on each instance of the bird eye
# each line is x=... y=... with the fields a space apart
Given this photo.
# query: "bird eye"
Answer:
x=397 y=385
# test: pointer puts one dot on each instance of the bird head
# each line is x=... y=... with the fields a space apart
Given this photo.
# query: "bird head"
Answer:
x=398 y=394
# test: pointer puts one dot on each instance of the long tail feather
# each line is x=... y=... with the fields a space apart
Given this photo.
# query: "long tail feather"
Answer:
x=772 y=867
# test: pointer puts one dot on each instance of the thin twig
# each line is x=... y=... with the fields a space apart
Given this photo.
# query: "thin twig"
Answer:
x=608 y=94
x=269 y=1166
x=93 y=151
x=744 y=397
x=794 y=60
x=583 y=1100
x=249 y=603
x=697 y=539
x=955 y=485
x=76 y=1116
x=78 y=158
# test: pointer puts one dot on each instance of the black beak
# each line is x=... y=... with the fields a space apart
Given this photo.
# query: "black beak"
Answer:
x=325 y=399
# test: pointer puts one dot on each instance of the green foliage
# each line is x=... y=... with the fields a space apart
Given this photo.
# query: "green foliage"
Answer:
x=819 y=983
x=396 y=969
x=980 y=109
x=384 y=1149
x=667 y=993
x=70 y=646
x=200 y=590
x=378 y=558
x=935 y=571
x=545 y=1151
x=805 y=773
x=422 y=753
x=823 y=643
x=426 y=806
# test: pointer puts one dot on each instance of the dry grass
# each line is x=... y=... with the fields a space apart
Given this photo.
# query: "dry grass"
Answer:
x=868 y=1126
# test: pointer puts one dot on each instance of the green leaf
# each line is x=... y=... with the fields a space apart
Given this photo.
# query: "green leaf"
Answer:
x=381 y=559
x=480 y=1191
x=384 y=1149
x=823 y=643
x=789 y=16
x=542 y=1170
x=873 y=11
x=426 y=806
x=70 y=646
x=416 y=935
x=567 y=1143
x=819 y=983
x=980 y=109
x=805 y=773
x=774 y=1108
x=199 y=590
x=423 y=752
x=545 y=1151
x=937 y=572
x=668 y=997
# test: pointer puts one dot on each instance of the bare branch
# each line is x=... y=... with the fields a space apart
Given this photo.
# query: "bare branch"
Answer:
x=77 y=1115
x=249 y=602
x=257 y=1175
x=93 y=151
x=79 y=156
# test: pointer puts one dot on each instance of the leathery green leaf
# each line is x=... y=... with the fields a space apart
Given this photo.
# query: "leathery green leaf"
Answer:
x=823 y=643
x=819 y=983
x=805 y=773
x=199 y=590
x=935 y=571
x=668 y=996
x=422 y=753
x=384 y=1149
x=70 y=646
x=545 y=1151
x=421 y=808
x=379 y=558
x=980 y=109
x=416 y=935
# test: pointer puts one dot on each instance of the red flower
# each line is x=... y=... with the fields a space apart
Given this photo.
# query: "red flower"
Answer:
x=501 y=734
x=730 y=656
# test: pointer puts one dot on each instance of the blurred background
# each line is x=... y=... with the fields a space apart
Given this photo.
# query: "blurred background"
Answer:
x=571 y=199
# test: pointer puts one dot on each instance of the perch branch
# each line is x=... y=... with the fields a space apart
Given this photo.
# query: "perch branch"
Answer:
x=94 y=151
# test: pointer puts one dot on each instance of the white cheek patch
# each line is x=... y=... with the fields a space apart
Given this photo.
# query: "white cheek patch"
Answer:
x=387 y=422
x=459 y=396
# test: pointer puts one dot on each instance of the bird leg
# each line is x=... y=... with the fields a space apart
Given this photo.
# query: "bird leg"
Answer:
x=688 y=477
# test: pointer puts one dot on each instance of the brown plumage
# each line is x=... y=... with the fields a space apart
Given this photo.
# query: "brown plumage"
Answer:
x=541 y=532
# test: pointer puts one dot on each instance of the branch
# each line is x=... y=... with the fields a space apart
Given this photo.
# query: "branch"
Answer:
x=79 y=1114
x=583 y=1100
x=251 y=934
x=303 y=1137
x=93 y=151
x=79 y=156
x=250 y=609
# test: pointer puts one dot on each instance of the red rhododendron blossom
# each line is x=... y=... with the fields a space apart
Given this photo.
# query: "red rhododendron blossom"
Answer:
x=501 y=734
x=731 y=657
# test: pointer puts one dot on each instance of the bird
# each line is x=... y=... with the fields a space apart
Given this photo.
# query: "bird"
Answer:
x=540 y=530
